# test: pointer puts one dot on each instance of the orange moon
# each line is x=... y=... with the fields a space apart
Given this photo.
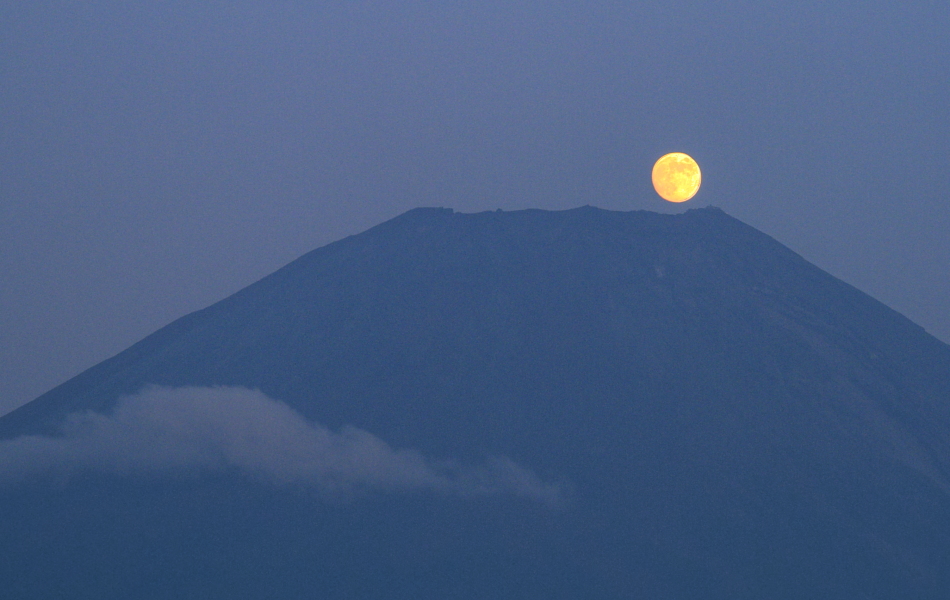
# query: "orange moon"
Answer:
x=676 y=177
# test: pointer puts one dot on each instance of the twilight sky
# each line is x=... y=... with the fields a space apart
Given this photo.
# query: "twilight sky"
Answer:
x=158 y=156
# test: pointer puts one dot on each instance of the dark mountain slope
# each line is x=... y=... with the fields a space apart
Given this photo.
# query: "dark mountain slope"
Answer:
x=729 y=418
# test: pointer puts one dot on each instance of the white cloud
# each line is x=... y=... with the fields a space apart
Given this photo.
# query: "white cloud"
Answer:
x=166 y=430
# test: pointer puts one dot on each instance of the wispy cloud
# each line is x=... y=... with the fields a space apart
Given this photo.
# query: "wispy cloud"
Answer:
x=168 y=430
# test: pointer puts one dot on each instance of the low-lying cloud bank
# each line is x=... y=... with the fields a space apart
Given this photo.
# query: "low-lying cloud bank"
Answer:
x=167 y=430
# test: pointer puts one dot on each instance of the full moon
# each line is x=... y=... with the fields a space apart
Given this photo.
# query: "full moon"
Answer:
x=676 y=177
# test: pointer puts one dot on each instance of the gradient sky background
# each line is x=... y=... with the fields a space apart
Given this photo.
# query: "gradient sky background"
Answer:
x=158 y=156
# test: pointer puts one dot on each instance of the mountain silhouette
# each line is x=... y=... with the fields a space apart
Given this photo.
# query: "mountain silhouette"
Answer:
x=581 y=403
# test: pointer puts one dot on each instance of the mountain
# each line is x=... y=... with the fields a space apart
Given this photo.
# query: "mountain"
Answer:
x=528 y=404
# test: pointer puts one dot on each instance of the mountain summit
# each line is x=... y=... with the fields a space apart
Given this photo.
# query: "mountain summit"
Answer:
x=582 y=403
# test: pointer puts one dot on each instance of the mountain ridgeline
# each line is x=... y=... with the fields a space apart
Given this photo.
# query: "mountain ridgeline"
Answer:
x=722 y=419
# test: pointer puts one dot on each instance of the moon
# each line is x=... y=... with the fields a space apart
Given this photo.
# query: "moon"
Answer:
x=676 y=177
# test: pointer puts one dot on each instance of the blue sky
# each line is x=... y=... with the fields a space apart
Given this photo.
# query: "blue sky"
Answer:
x=155 y=157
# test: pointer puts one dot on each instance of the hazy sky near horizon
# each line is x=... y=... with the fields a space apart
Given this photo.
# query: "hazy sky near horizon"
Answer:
x=156 y=157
